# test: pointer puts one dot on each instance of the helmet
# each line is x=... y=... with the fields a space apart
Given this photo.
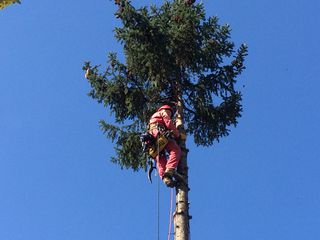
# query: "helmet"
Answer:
x=166 y=107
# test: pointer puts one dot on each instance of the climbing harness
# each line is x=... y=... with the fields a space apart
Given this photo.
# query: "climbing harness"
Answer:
x=161 y=142
x=154 y=146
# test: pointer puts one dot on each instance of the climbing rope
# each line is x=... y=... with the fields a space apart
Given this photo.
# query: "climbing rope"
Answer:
x=158 y=187
x=158 y=147
x=170 y=214
x=158 y=201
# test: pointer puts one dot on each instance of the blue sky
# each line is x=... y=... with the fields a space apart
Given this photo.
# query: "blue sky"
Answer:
x=56 y=181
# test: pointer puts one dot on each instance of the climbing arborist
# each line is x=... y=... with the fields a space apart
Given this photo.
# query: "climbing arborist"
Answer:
x=160 y=123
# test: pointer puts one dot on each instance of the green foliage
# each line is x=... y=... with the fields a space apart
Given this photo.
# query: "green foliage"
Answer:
x=5 y=3
x=170 y=51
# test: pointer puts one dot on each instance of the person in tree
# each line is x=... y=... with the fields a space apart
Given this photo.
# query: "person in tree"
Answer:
x=160 y=122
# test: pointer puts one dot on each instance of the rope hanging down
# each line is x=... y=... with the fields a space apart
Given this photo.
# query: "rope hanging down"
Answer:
x=170 y=214
x=158 y=208
x=158 y=151
x=158 y=204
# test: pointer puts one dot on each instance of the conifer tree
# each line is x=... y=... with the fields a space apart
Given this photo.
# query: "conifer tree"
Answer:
x=5 y=3
x=173 y=53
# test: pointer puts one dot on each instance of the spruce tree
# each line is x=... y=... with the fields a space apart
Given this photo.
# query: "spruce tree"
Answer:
x=173 y=53
x=5 y=3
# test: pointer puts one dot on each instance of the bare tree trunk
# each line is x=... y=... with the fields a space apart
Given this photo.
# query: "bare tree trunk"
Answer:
x=181 y=215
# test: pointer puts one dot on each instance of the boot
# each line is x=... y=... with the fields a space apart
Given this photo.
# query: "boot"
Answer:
x=173 y=174
x=168 y=181
x=168 y=177
x=170 y=172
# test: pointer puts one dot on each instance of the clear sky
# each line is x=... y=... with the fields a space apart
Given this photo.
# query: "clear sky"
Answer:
x=56 y=181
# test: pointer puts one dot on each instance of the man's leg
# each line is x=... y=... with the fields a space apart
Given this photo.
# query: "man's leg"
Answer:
x=174 y=155
x=161 y=164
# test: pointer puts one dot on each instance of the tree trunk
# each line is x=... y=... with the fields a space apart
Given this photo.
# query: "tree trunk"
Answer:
x=181 y=215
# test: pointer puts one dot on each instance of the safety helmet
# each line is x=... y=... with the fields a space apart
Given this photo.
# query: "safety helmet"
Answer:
x=166 y=107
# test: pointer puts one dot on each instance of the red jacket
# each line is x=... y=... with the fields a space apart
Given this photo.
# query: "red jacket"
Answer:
x=164 y=119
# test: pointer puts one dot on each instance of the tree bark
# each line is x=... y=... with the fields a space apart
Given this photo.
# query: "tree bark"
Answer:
x=181 y=215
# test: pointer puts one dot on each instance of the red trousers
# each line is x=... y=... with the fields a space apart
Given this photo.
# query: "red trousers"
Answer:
x=174 y=151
